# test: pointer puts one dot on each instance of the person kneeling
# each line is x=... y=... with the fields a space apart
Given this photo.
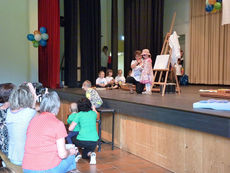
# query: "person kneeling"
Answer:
x=87 y=137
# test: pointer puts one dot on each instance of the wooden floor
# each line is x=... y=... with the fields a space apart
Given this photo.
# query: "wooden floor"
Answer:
x=118 y=161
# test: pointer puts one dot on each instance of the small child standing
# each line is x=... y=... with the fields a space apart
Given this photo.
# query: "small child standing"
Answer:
x=119 y=79
x=92 y=95
x=73 y=110
x=109 y=78
x=147 y=72
x=101 y=81
x=178 y=68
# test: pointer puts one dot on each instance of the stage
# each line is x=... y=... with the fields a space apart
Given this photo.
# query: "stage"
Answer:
x=165 y=130
x=175 y=109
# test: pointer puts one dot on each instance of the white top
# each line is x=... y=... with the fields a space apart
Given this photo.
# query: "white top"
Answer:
x=108 y=79
x=178 y=69
x=17 y=123
x=136 y=72
x=120 y=79
x=101 y=81
x=104 y=59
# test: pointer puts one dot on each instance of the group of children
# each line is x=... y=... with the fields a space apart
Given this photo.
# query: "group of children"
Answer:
x=82 y=121
x=109 y=81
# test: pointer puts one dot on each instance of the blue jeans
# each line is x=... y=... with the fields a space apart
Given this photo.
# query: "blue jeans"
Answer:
x=66 y=165
x=70 y=135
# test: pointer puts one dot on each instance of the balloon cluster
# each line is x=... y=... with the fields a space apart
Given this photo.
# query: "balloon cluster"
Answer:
x=39 y=37
x=213 y=5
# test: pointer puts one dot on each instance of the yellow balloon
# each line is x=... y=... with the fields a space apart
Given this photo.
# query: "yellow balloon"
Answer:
x=211 y=2
x=213 y=11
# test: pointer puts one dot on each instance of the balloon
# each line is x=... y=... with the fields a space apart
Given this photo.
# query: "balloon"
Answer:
x=217 y=6
x=219 y=1
x=43 y=43
x=45 y=36
x=43 y=30
x=35 y=43
x=36 y=32
x=37 y=37
x=209 y=8
x=30 y=37
x=213 y=11
x=211 y=2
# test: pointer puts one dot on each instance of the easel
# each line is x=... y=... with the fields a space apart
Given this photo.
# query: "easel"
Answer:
x=164 y=51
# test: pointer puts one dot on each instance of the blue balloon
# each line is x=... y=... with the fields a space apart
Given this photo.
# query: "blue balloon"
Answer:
x=219 y=1
x=43 y=43
x=209 y=8
x=30 y=37
x=42 y=30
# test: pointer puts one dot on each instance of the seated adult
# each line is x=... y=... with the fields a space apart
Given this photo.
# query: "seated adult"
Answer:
x=87 y=137
x=45 y=149
x=5 y=91
x=135 y=77
x=18 y=117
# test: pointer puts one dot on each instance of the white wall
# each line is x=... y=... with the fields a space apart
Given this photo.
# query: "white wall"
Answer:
x=18 y=62
x=182 y=23
x=33 y=52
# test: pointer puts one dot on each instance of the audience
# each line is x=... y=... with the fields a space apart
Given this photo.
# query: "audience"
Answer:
x=101 y=81
x=45 y=149
x=5 y=91
x=18 y=117
x=92 y=95
x=87 y=137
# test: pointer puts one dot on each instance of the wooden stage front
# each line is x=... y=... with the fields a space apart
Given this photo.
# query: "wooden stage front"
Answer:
x=165 y=130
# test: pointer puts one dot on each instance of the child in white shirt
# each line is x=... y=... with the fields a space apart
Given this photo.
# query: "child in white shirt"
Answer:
x=119 y=79
x=109 y=78
x=101 y=81
x=178 y=68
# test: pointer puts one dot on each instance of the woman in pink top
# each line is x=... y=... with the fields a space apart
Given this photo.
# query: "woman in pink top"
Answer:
x=45 y=149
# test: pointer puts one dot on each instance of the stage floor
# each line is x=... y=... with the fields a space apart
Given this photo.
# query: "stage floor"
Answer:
x=182 y=102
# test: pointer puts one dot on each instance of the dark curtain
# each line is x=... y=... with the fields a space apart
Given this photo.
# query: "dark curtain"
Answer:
x=71 y=30
x=90 y=28
x=49 y=56
x=114 y=36
x=143 y=28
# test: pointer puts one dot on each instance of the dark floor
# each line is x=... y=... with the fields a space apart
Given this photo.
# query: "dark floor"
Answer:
x=114 y=161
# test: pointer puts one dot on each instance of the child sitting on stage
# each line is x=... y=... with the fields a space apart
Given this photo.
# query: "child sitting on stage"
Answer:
x=119 y=79
x=73 y=110
x=92 y=95
x=101 y=81
x=87 y=137
x=147 y=72
x=109 y=78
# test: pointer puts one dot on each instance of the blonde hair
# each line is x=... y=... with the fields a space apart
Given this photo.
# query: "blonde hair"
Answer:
x=87 y=83
x=73 y=107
